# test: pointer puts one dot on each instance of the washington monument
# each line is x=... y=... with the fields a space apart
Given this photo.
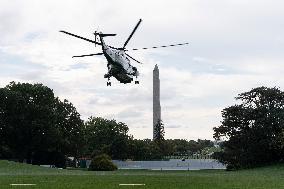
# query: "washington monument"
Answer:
x=156 y=99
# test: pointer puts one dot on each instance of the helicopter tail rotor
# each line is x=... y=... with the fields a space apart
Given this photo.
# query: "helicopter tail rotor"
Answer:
x=96 y=33
x=102 y=35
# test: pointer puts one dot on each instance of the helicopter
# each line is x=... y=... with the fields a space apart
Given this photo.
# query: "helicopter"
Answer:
x=118 y=60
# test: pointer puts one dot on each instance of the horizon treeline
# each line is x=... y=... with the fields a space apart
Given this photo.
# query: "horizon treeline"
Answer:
x=39 y=128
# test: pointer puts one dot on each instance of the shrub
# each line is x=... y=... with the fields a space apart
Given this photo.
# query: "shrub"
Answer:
x=102 y=163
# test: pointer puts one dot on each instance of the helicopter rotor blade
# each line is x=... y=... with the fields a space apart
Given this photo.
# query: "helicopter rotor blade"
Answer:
x=133 y=31
x=163 y=46
x=89 y=40
x=87 y=55
x=133 y=59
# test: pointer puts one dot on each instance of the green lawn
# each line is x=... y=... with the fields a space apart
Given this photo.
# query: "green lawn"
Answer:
x=271 y=177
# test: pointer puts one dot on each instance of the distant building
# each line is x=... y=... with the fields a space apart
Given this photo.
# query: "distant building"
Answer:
x=156 y=99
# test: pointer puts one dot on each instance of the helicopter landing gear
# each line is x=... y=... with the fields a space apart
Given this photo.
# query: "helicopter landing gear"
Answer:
x=136 y=81
x=107 y=76
x=108 y=82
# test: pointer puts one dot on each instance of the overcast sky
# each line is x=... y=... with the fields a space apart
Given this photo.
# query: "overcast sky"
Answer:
x=234 y=45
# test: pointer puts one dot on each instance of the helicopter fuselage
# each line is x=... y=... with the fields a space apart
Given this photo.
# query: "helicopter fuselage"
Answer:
x=118 y=64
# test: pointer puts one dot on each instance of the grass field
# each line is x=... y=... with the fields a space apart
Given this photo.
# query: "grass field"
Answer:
x=271 y=177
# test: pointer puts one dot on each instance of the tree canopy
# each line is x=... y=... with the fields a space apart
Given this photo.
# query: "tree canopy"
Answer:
x=253 y=130
x=107 y=136
x=33 y=120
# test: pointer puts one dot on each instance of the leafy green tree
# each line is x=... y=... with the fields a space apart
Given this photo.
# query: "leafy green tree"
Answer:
x=155 y=150
x=204 y=143
x=140 y=149
x=33 y=120
x=24 y=110
x=159 y=131
x=70 y=127
x=181 y=146
x=107 y=136
x=253 y=129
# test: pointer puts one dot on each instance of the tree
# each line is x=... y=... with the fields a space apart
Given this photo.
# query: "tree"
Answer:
x=253 y=129
x=71 y=128
x=107 y=136
x=24 y=108
x=159 y=131
x=33 y=120
x=181 y=146
x=140 y=149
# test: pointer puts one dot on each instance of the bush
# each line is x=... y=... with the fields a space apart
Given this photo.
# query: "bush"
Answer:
x=102 y=163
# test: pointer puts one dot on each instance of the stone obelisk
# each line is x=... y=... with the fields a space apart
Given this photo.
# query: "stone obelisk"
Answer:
x=156 y=99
